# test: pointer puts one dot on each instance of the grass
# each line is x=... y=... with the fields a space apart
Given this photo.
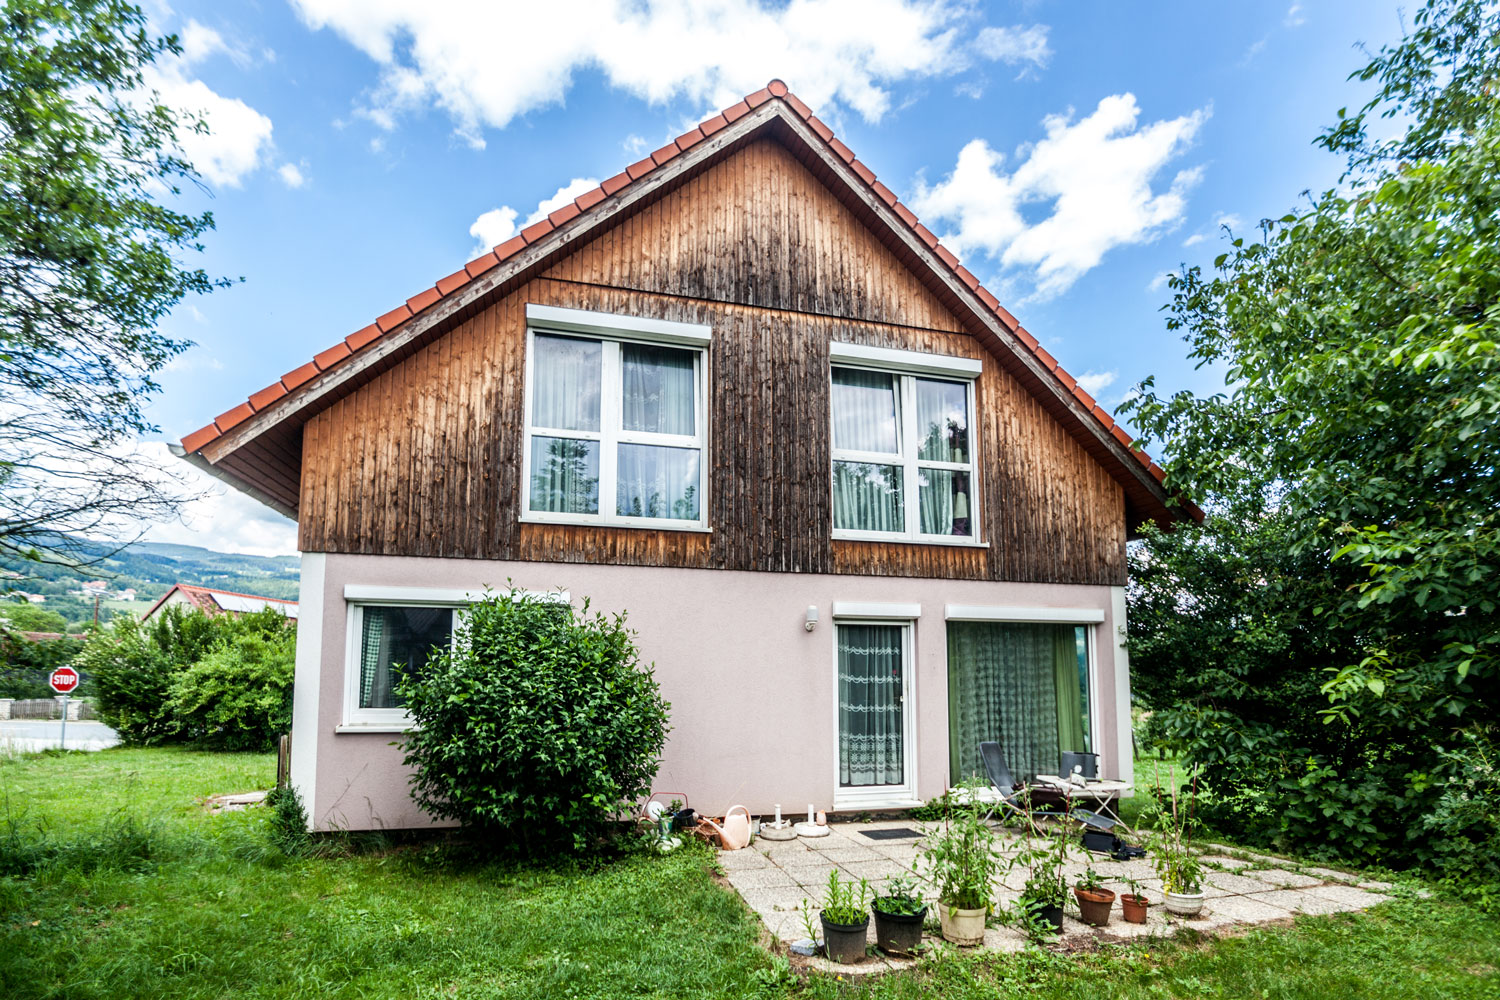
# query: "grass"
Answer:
x=115 y=883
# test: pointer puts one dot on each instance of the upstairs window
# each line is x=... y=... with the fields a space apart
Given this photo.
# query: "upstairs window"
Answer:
x=616 y=420
x=903 y=451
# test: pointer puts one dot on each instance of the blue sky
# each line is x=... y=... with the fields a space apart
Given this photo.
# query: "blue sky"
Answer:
x=1071 y=151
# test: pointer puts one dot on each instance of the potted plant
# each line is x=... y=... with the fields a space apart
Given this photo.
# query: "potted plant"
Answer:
x=846 y=919
x=899 y=914
x=1133 y=904
x=1179 y=868
x=1046 y=889
x=960 y=860
x=1094 y=901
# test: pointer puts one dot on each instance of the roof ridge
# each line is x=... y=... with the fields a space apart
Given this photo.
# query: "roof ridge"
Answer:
x=444 y=287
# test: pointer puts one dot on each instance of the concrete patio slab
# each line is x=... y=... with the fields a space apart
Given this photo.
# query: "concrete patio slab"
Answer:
x=1284 y=878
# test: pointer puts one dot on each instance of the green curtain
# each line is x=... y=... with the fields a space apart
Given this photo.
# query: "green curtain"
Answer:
x=872 y=744
x=1015 y=683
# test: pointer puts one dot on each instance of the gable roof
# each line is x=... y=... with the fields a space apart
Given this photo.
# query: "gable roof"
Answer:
x=256 y=447
x=216 y=601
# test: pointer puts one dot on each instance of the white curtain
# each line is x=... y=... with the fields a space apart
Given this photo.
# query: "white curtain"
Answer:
x=871 y=737
x=942 y=421
x=657 y=482
x=567 y=374
x=565 y=475
x=943 y=498
x=867 y=497
x=864 y=411
x=658 y=389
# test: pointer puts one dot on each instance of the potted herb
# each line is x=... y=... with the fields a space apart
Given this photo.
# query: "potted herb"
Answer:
x=1094 y=901
x=846 y=919
x=960 y=860
x=899 y=913
x=1046 y=889
x=1133 y=904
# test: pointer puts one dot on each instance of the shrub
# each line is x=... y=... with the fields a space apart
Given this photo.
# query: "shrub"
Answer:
x=239 y=696
x=24 y=664
x=288 y=820
x=535 y=726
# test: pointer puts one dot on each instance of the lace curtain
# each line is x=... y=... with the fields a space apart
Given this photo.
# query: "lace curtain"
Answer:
x=871 y=740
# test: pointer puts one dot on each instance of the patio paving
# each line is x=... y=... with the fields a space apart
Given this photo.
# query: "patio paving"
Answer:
x=776 y=878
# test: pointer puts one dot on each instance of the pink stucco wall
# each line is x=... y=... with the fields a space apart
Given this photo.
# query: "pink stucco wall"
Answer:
x=752 y=691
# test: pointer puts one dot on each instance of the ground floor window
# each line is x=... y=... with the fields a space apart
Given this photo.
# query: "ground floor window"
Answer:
x=391 y=641
x=1024 y=685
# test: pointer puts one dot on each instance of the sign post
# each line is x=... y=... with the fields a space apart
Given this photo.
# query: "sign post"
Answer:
x=63 y=681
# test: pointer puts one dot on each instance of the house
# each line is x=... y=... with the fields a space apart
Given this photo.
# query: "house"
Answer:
x=859 y=517
x=94 y=588
x=219 y=601
x=126 y=594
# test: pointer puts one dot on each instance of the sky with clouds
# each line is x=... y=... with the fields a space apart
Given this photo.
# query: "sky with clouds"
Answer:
x=1072 y=152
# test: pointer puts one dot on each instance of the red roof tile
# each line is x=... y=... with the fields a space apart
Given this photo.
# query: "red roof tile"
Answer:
x=774 y=90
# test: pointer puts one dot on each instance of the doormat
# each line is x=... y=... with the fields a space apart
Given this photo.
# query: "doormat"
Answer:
x=899 y=833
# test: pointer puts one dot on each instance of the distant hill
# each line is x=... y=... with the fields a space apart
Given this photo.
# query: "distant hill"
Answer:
x=150 y=568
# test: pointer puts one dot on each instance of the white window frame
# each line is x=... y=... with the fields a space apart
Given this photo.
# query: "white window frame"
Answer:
x=906 y=367
x=358 y=597
x=611 y=331
x=847 y=797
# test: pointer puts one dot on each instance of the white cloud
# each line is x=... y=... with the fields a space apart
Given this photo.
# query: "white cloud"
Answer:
x=1015 y=45
x=1294 y=16
x=1094 y=383
x=499 y=224
x=1095 y=175
x=220 y=518
x=1159 y=282
x=199 y=42
x=1194 y=240
x=1229 y=220
x=636 y=145
x=485 y=64
x=969 y=89
x=290 y=175
x=238 y=140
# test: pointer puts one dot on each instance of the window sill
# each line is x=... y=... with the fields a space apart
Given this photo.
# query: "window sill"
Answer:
x=700 y=529
x=872 y=536
x=372 y=727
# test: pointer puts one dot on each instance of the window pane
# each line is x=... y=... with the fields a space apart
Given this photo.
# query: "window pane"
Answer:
x=395 y=642
x=942 y=421
x=658 y=389
x=657 y=482
x=1081 y=644
x=944 y=500
x=871 y=731
x=864 y=411
x=867 y=497
x=566 y=377
x=565 y=475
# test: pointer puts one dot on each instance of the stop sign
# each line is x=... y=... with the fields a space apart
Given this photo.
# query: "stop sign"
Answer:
x=63 y=680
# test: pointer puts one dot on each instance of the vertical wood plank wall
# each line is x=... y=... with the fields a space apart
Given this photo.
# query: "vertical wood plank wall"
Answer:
x=425 y=460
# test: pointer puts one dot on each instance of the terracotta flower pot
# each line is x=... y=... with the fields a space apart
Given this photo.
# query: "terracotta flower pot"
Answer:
x=964 y=927
x=1094 y=905
x=1134 y=908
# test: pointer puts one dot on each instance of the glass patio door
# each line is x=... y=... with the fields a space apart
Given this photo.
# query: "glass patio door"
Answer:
x=874 y=752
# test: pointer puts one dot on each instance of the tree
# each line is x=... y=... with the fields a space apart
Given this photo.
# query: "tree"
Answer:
x=89 y=264
x=27 y=617
x=535 y=727
x=1362 y=403
x=239 y=695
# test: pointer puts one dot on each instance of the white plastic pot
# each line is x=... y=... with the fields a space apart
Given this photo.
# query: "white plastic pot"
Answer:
x=963 y=927
x=1184 y=904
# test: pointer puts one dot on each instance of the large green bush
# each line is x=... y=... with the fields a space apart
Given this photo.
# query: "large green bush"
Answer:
x=239 y=696
x=536 y=726
x=135 y=666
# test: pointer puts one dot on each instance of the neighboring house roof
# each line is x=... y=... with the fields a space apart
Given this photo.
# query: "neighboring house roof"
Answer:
x=255 y=445
x=216 y=601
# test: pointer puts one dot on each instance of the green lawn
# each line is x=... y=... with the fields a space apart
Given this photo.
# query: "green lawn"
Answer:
x=187 y=905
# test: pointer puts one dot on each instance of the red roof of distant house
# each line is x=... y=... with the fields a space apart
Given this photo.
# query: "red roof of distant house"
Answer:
x=221 y=601
x=49 y=636
x=445 y=287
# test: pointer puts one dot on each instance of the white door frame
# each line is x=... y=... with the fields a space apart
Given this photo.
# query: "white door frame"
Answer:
x=903 y=795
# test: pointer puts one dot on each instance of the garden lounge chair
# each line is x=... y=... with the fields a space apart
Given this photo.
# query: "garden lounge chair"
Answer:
x=1005 y=783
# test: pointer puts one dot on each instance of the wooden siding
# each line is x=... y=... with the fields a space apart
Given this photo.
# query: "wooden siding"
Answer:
x=425 y=460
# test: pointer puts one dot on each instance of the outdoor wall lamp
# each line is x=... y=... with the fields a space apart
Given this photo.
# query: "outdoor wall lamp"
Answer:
x=812 y=617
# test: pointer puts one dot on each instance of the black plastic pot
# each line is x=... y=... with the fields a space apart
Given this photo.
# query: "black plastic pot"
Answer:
x=899 y=933
x=845 y=943
x=1053 y=915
